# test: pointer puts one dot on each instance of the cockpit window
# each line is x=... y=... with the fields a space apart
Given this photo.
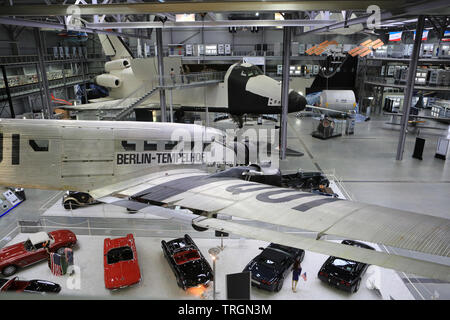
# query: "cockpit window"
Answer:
x=39 y=145
x=250 y=71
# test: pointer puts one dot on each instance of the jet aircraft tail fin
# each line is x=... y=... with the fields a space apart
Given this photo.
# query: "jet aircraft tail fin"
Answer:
x=115 y=47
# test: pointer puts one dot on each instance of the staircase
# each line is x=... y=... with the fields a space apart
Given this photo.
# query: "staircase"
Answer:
x=134 y=102
x=129 y=103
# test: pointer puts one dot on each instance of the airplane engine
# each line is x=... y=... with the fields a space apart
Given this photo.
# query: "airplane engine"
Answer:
x=108 y=80
x=252 y=92
x=119 y=64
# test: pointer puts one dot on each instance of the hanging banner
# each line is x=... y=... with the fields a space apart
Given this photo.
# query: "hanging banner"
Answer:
x=395 y=36
x=446 y=36
x=424 y=35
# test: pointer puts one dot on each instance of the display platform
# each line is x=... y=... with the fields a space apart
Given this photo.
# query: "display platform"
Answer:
x=158 y=281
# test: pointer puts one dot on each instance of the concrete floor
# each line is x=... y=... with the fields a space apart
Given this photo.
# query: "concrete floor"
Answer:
x=365 y=162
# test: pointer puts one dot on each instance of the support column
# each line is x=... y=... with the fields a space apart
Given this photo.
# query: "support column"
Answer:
x=171 y=106
x=162 y=92
x=285 y=91
x=8 y=93
x=45 y=90
x=409 y=87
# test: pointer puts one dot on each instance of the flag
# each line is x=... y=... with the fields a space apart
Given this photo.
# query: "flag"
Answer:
x=56 y=264
x=69 y=255
x=304 y=276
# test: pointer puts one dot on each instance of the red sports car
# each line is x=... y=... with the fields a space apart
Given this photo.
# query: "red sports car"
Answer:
x=120 y=262
x=23 y=254
x=33 y=286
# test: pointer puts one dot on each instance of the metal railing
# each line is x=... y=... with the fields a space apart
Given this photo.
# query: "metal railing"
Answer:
x=139 y=227
x=31 y=59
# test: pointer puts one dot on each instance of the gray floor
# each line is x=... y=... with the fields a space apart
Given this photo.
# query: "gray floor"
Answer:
x=365 y=162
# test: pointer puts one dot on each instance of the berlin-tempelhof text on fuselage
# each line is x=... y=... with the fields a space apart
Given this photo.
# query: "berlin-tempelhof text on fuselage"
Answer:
x=160 y=158
x=195 y=147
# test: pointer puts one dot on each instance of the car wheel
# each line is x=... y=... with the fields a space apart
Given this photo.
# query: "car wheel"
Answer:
x=70 y=205
x=9 y=270
x=357 y=286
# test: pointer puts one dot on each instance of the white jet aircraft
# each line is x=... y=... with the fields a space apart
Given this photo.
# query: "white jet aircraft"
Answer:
x=137 y=165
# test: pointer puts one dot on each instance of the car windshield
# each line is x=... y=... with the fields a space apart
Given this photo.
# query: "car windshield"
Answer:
x=119 y=254
x=268 y=262
x=271 y=257
x=186 y=256
x=346 y=265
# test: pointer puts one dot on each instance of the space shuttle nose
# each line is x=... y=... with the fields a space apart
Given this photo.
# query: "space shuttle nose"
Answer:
x=296 y=102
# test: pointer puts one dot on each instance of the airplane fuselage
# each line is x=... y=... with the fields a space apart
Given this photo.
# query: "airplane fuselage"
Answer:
x=82 y=155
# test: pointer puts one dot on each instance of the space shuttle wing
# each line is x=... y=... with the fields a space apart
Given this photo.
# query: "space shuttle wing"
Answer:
x=213 y=193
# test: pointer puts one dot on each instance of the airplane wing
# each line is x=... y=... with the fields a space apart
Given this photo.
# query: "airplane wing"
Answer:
x=221 y=194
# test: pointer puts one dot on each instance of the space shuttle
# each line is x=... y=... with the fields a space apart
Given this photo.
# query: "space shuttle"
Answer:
x=244 y=89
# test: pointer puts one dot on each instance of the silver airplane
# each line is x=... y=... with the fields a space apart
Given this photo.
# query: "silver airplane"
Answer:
x=137 y=165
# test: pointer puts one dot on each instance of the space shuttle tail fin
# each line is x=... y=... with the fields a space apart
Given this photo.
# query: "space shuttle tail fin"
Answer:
x=115 y=47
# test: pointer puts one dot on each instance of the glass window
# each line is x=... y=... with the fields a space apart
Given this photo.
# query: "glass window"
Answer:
x=170 y=145
x=128 y=146
x=39 y=145
x=150 y=146
x=346 y=265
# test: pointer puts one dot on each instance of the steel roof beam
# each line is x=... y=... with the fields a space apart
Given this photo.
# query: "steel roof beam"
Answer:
x=209 y=24
x=197 y=7
x=57 y=26
x=412 y=10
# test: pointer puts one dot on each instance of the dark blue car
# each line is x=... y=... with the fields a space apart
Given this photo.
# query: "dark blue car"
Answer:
x=342 y=273
x=272 y=265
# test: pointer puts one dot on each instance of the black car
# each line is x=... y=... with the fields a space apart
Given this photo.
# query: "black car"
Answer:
x=75 y=199
x=342 y=273
x=305 y=180
x=271 y=266
x=32 y=286
x=187 y=262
